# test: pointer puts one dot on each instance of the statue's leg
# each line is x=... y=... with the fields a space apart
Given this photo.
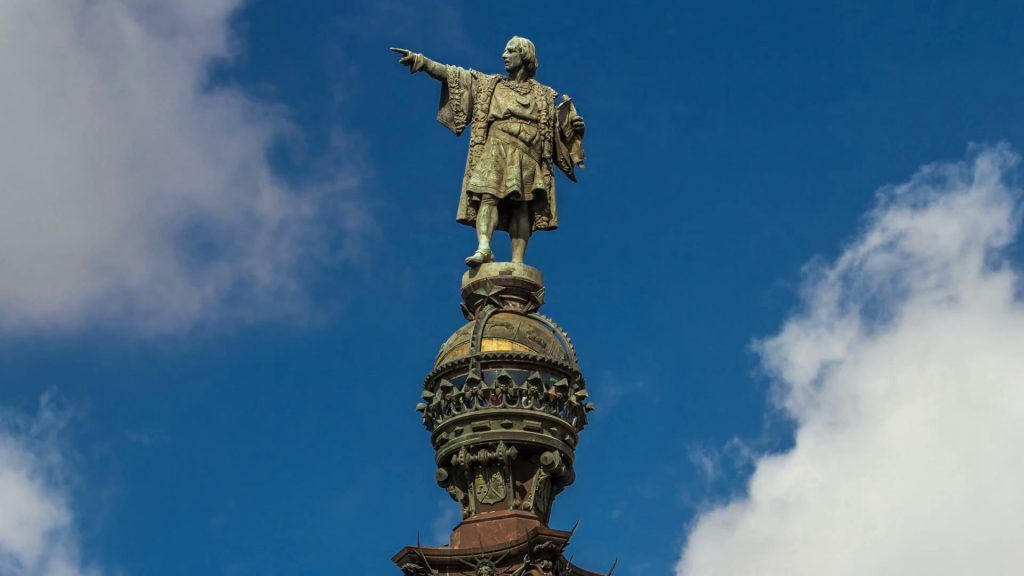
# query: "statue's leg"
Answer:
x=486 y=221
x=519 y=229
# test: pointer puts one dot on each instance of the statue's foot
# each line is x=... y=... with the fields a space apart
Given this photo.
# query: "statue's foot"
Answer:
x=479 y=257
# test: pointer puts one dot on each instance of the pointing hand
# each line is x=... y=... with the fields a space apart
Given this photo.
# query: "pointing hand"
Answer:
x=407 y=59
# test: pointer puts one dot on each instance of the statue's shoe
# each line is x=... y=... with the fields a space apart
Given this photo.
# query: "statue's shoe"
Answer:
x=480 y=257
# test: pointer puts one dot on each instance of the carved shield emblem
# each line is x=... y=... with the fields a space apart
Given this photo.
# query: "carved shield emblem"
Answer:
x=489 y=485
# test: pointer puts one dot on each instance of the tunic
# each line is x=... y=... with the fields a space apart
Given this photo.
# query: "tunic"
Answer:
x=514 y=144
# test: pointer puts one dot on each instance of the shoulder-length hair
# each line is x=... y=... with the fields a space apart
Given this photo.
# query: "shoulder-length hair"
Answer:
x=529 y=52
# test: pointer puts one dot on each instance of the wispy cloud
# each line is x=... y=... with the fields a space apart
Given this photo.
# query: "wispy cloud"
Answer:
x=446 y=519
x=902 y=372
x=133 y=193
x=37 y=535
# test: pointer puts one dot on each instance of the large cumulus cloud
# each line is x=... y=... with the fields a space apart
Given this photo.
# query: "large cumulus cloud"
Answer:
x=904 y=374
x=131 y=190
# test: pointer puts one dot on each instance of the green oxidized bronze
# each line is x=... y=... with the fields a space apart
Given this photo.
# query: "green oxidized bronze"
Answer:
x=517 y=136
x=508 y=379
x=505 y=401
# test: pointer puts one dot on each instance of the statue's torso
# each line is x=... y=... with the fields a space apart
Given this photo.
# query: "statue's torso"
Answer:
x=511 y=143
x=517 y=101
x=510 y=164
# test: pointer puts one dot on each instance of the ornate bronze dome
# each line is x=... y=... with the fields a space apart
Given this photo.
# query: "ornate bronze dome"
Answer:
x=508 y=332
x=505 y=401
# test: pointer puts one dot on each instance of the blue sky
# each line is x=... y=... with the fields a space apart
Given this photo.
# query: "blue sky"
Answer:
x=231 y=256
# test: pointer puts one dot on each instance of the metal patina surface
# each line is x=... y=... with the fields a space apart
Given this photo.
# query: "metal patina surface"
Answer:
x=506 y=401
x=517 y=136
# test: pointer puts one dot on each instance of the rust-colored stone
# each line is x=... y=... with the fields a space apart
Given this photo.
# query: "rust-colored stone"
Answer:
x=493 y=528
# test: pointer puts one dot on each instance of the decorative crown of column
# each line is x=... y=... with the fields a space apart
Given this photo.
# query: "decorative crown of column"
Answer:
x=504 y=405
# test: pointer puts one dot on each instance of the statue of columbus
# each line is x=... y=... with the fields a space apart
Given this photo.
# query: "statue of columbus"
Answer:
x=517 y=136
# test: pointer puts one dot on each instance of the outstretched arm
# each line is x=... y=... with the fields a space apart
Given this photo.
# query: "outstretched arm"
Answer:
x=455 y=111
x=417 y=62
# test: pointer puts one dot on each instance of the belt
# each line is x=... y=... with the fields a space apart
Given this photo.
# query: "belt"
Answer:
x=513 y=140
x=516 y=121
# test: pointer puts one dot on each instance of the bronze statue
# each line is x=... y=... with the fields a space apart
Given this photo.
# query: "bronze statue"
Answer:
x=506 y=400
x=516 y=138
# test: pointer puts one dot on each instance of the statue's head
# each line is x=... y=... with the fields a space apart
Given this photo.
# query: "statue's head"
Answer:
x=520 y=52
x=485 y=568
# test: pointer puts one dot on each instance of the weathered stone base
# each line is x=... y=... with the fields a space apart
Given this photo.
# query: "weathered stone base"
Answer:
x=515 y=548
x=506 y=285
x=493 y=528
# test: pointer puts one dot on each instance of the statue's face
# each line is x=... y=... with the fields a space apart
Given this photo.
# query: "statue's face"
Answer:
x=512 y=57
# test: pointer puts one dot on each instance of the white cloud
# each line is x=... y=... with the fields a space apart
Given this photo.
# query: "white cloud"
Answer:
x=904 y=374
x=37 y=536
x=131 y=192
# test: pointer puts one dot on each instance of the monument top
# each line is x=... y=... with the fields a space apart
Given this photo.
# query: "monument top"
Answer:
x=518 y=134
x=505 y=401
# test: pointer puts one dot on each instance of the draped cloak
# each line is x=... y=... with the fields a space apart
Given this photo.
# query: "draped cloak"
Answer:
x=510 y=157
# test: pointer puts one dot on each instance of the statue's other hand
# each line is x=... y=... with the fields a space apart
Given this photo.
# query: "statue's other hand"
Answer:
x=407 y=59
x=578 y=126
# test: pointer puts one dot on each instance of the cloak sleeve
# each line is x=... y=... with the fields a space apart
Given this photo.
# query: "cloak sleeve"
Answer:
x=456 y=107
x=568 y=145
